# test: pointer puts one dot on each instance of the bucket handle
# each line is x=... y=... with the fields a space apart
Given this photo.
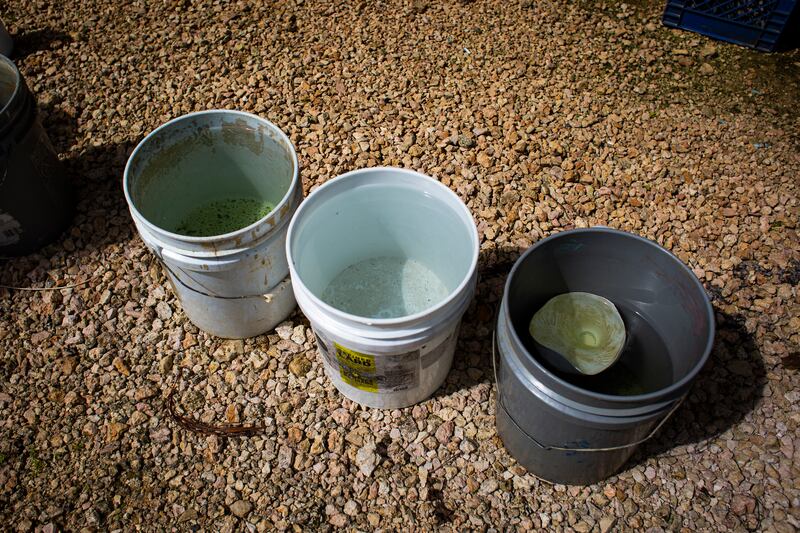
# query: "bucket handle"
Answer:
x=666 y=417
x=202 y=293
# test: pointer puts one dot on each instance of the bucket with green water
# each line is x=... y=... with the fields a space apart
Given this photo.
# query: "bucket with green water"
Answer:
x=212 y=194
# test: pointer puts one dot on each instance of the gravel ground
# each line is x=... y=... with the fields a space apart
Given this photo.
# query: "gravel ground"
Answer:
x=542 y=115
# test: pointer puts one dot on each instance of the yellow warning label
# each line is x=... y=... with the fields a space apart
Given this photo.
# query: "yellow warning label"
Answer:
x=357 y=369
x=354 y=359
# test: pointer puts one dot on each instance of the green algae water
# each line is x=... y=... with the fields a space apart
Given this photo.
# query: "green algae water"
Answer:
x=223 y=216
x=385 y=287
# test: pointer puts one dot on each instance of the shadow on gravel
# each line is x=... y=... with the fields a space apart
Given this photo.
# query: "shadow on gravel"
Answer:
x=101 y=213
x=61 y=127
x=726 y=391
x=472 y=363
x=102 y=210
x=28 y=42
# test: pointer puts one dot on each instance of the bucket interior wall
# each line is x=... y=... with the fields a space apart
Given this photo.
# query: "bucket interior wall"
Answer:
x=381 y=220
x=633 y=274
x=206 y=159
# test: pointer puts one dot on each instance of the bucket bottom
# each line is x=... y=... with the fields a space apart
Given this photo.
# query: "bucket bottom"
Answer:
x=558 y=466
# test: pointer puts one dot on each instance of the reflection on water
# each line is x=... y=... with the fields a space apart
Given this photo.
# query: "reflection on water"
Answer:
x=645 y=365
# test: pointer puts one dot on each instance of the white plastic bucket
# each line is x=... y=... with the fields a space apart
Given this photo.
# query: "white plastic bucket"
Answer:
x=234 y=285
x=384 y=212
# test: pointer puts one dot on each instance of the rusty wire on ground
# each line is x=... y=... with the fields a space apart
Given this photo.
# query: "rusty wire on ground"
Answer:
x=222 y=430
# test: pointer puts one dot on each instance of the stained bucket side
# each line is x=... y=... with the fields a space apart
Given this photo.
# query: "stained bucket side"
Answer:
x=415 y=364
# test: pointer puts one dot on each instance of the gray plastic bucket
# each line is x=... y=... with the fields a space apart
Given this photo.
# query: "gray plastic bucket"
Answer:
x=565 y=433
x=36 y=200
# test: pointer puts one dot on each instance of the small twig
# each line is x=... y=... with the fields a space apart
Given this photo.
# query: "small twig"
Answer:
x=222 y=430
x=44 y=289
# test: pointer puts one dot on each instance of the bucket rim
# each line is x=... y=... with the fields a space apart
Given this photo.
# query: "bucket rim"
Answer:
x=17 y=84
x=655 y=395
x=287 y=197
x=452 y=297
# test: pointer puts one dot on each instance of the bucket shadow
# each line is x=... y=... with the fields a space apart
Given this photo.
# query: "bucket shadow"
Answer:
x=61 y=127
x=725 y=392
x=101 y=210
x=29 y=42
x=472 y=362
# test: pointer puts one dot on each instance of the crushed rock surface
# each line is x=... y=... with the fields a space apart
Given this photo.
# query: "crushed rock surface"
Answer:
x=542 y=116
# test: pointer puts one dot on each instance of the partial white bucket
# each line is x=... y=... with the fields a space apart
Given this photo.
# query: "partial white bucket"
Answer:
x=236 y=284
x=414 y=238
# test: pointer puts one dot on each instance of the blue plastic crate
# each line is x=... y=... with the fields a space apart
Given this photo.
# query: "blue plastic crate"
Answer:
x=760 y=24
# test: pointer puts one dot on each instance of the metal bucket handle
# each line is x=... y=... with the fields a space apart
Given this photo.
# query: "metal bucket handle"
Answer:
x=666 y=417
x=202 y=293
